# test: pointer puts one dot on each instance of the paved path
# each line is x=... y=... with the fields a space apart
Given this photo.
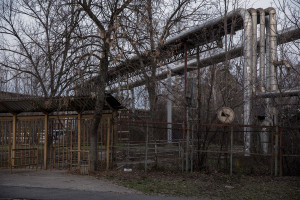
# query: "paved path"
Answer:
x=59 y=184
x=57 y=179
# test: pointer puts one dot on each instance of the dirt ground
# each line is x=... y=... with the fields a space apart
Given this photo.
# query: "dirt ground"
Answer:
x=211 y=186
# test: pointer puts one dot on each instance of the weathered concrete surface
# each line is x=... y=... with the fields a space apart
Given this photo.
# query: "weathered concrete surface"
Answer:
x=58 y=179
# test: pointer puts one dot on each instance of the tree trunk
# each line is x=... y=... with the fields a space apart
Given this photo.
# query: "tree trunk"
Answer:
x=100 y=85
x=151 y=87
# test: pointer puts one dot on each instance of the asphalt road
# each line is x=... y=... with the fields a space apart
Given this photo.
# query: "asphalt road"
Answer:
x=13 y=192
x=58 y=184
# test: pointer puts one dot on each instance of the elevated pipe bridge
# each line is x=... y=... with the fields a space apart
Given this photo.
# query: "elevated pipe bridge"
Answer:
x=209 y=36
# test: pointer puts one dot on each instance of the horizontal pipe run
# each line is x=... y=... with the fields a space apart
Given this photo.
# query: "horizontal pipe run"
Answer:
x=282 y=93
x=202 y=34
x=234 y=53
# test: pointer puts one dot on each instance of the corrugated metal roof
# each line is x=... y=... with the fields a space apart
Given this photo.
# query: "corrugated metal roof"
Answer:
x=48 y=105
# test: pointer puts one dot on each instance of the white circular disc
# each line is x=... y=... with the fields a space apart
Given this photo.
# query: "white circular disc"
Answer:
x=225 y=115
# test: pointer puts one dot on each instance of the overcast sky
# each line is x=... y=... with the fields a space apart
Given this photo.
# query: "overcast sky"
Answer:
x=261 y=3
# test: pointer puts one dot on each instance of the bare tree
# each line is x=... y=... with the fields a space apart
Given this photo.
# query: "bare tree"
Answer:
x=37 y=39
x=105 y=16
x=147 y=27
x=288 y=76
x=290 y=9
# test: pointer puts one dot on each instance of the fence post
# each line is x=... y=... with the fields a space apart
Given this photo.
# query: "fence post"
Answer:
x=231 y=148
x=108 y=144
x=272 y=153
x=46 y=141
x=192 y=149
x=36 y=159
x=79 y=139
x=13 y=153
x=146 y=153
x=276 y=152
x=155 y=152
x=280 y=153
x=182 y=147
x=115 y=138
x=187 y=147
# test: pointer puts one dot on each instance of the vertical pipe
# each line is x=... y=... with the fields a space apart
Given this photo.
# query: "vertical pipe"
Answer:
x=253 y=78
x=272 y=58
x=262 y=47
x=46 y=140
x=267 y=84
x=254 y=48
x=273 y=48
x=267 y=65
x=271 y=75
x=247 y=79
x=264 y=135
x=169 y=110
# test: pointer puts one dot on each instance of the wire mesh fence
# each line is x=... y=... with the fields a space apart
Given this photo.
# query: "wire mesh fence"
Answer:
x=207 y=147
x=149 y=145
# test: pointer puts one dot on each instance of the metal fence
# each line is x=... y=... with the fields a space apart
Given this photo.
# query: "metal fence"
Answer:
x=208 y=147
x=66 y=145
x=154 y=145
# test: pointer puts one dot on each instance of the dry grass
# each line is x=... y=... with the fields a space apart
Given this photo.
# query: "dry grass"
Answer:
x=214 y=186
